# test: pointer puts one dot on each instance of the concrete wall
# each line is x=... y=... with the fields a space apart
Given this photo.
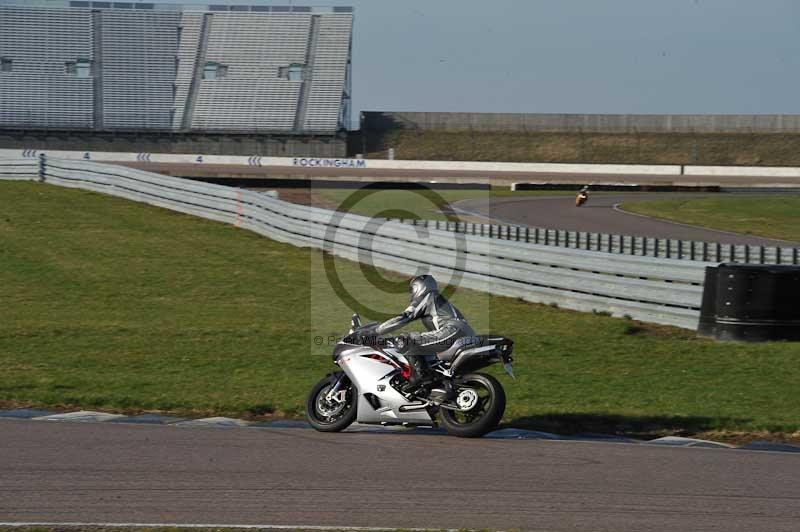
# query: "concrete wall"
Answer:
x=519 y=122
x=154 y=142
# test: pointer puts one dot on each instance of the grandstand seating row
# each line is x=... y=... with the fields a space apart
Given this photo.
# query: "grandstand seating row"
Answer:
x=85 y=65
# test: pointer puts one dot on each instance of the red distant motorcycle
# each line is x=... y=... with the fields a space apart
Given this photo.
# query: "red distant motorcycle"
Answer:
x=582 y=197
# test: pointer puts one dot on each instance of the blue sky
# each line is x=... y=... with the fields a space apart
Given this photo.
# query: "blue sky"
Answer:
x=596 y=56
x=576 y=56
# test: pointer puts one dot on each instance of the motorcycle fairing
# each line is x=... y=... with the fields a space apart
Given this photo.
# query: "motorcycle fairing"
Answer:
x=370 y=375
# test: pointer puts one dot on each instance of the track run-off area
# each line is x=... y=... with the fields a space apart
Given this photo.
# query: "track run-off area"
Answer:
x=603 y=213
x=57 y=472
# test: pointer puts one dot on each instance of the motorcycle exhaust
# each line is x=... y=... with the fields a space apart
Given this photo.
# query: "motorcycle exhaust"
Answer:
x=413 y=407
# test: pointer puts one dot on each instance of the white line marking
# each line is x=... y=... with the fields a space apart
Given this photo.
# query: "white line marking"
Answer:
x=618 y=208
x=245 y=527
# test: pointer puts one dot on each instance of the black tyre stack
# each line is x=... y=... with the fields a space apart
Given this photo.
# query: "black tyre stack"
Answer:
x=750 y=302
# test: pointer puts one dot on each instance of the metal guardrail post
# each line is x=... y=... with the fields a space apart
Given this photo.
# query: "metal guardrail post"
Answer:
x=527 y=234
x=691 y=250
x=680 y=249
x=42 y=167
x=747 y=253
x=705 y=251
x=778 y=253
x=656 y=245
x=732 y=253
x=718 y=252
x=761 y=255
x=794 y=255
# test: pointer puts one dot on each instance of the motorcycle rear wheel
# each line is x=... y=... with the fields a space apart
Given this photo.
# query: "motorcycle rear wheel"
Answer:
x=485 y=415
x=327 y=416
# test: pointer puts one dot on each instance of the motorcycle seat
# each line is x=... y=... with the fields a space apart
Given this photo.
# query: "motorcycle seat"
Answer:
x=460 y=345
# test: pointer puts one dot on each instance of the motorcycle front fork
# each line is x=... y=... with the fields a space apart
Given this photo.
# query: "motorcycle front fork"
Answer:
x=337 y=390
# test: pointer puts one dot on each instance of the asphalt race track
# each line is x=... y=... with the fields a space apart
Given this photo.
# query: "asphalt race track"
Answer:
x=102 y=473
x=599 y=215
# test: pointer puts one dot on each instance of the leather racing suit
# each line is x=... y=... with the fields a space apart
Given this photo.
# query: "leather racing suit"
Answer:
x=444 y=323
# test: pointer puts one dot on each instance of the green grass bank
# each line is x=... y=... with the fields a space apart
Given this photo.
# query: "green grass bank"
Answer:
x=112 y=305
x=591 y=148
x=768 y=216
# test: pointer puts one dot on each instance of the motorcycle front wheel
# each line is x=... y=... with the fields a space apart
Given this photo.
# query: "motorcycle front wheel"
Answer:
x=331 y=416
x=484 y=402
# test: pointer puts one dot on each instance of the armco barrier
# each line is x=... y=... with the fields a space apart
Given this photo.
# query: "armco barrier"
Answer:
x=654 y=290
x=19 y=169
x=624 y=244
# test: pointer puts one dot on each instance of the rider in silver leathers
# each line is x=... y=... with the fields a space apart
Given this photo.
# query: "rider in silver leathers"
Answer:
x=444 y=322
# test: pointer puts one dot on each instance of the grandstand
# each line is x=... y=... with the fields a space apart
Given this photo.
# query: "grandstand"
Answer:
x=136 y=66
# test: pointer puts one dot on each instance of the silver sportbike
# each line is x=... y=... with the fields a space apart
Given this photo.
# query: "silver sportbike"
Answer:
x=368 y=389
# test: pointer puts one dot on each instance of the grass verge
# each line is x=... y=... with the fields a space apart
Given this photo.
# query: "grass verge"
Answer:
x=592 y=148
x=767 y=216
x=112 y=305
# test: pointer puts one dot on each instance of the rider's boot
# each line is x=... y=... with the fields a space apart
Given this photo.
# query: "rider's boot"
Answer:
x=420 y=376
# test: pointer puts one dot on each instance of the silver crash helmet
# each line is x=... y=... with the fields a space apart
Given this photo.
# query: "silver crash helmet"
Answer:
x=422 y=285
